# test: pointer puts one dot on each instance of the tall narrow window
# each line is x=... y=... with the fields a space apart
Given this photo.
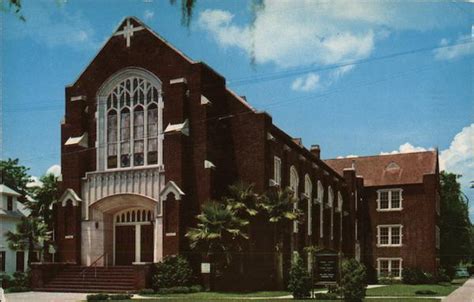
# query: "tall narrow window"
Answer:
x=112 y=139
x=277 y=170
x=331 y=205
x=294 y=181
x=138 y=136
x=125 y=138
x=321 y=208
x=308 y=191
x=9 y=203
x=152 y=134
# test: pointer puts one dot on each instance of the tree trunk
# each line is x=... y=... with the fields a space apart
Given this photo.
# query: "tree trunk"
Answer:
x=278 y=259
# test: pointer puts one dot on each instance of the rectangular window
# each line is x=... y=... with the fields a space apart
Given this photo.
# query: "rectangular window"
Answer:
x=9 y=203
x=20 y=261
x=389 y=267
x=389 y=235
x=277 y=170
x=2 y=261
x=389 y=200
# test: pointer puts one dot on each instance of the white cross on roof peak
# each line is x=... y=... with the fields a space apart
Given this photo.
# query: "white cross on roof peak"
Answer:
x=127 y=31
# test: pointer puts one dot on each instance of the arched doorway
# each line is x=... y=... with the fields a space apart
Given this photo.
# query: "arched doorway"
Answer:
x=133 y=239
x=124 y=228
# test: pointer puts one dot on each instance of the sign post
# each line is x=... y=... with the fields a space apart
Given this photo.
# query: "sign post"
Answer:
x=326 y=267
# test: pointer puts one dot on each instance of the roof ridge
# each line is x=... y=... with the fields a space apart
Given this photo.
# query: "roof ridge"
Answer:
x=379 y=155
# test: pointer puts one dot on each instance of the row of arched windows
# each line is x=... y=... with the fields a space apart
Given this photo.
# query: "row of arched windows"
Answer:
x=308 y=192
x=135 y=215
x=132 y=124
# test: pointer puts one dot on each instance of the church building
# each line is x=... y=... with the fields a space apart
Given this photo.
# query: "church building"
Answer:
x=149 y=135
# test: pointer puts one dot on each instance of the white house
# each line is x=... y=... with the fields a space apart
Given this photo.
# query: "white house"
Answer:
x=11 y=212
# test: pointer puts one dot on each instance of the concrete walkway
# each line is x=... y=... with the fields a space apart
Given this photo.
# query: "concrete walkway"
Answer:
x=44 y=297
x=463 y=294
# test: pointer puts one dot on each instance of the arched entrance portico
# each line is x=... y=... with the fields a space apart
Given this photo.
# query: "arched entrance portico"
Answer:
x=125 y=230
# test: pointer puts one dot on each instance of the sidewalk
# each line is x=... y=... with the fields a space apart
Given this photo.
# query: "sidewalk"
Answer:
x=463 y=294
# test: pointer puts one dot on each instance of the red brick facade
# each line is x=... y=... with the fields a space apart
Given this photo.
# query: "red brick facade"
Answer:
x=241 y=143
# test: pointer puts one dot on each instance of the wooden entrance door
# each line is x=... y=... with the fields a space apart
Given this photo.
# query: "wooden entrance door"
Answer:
x=124 y=244
x=146 y=243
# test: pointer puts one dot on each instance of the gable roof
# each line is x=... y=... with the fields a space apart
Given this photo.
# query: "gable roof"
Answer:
x=136 y=22
x=7 y=191
x=392 y=169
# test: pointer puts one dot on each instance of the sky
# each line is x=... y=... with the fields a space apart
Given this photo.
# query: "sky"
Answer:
x=356 y=78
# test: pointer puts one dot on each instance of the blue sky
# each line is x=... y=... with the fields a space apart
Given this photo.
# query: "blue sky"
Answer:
x=358 y=79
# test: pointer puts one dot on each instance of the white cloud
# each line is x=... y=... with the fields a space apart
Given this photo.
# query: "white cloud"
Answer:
x=148 y=15
x=305 y=83
x=52 y=25
x=463 y=46
x=458 y=158
x=406 y=148
x=55 y=170
x=291 y=34
x=34 y=182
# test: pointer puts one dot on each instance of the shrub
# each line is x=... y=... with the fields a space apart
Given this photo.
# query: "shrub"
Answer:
x=388 y=280
x=18 y=289
x=195 y=288
x=146 y=291
x=425 y=292
x=97 y=297
x=353 y=281
x=120 y=297
x=300 y=281
x=470 y=270
x=417 y=276
x=21 y=279
x=172 y=271
x=5 y=280
x=326 y=296
x=443 y=276
x=413 y=276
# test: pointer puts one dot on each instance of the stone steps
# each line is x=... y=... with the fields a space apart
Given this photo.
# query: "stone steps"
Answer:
x=101 y=279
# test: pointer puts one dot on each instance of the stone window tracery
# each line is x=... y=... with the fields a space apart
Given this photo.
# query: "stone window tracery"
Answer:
x=132 y=124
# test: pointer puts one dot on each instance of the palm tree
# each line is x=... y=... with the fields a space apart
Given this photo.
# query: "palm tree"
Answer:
x=242 y=199
x=277 y=204
x=44 y=197
x=219 y=231
x=31 y=235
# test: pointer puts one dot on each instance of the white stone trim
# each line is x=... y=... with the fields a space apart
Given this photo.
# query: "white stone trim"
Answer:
x=171 y=187
x=205 y=101
x=127 y=31
x=178 y=80
x=82 y=140
x=178 y=128
x=69 y=194
x=209 y=164
x=78 y=98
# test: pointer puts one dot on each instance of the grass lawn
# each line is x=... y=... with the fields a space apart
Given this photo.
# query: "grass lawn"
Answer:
x=405 y=290
x=220 y=295
x=281 y=300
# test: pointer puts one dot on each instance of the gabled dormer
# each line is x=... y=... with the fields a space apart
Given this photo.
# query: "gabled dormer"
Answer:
x=8 y=198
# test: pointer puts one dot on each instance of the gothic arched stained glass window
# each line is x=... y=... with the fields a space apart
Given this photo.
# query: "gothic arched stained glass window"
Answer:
x=132 y=124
